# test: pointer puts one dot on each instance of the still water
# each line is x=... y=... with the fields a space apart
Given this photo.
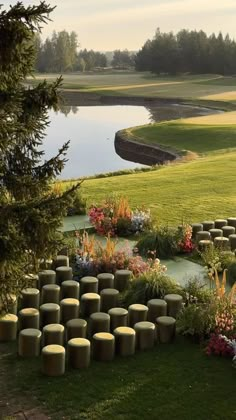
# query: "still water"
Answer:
x=91 y=131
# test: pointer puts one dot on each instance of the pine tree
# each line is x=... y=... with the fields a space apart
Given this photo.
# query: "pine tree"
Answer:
x=30 y=212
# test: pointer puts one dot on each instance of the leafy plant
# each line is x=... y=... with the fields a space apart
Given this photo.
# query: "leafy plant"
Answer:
x=197 y=292
x=163 y=242
x=150 y=285
x=216 y=259
x=197 y=321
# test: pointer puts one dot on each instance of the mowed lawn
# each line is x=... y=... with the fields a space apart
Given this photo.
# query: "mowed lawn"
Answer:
x=176 y=381
x=201 y=189
x=200 y=134
x=148 y=85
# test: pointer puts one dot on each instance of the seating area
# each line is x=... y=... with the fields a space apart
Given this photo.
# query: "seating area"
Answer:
x=71 y=323
x=220 y=233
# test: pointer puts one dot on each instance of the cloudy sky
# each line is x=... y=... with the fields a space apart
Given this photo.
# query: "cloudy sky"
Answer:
x=111 y=24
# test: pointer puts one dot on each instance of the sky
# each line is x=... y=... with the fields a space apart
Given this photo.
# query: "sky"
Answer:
x=105 y=25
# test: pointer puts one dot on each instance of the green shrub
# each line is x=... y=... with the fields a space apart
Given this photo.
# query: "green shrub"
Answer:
x=150 y=285
x=163 y=242
x=123 y=226
x=78 y=205
x=196 y=291
x=215 y=258
x=196 y=320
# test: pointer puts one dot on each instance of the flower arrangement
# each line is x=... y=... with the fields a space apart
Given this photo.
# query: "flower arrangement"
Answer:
x=93 y=258
x=220 y=345
x=185 y=243
x=115 y=217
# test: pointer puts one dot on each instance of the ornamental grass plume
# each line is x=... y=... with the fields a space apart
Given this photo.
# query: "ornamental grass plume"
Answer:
x=220 y=286
x=108 y=251
x=122 y=210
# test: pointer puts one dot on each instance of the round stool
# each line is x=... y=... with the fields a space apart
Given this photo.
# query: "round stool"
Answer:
x=53 y=334
x=219 y=223
x=205 y=244
x=49 y=314
x=69 y=309
x=208 y=225
x=28 y=318
x=109 y=299
x=122 y=278
x=70 y=289
x=63 y=274
x=202 y=236
x=90 y=303
x=228 y=230
x=88 y=284
x=8 y=327
x=137 y=313
x=118 y=318
x=53 y=360
x=221 y=242
x=29 y=342
x=76 y=328
x=166 y=329
x=50 y=293
x=125 y=341
x=105 y=281
x=196 y=227
x=30 y=298
x=46 y=277
x=232 y=242
x=78 y=353
x=103 y=347
x=215 y=232
x=156 y=308
x=61 y=261
x=232 y=221
x=145 y=335
x=99 y=322
x=174 y=304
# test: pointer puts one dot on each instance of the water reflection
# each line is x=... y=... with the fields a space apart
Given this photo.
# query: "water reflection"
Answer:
x=91 y=131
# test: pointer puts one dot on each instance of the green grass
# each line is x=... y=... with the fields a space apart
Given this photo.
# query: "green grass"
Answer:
x=171 y=381
x=223 y=81
x=197 y=138
x=146 y=84
x=201 y=189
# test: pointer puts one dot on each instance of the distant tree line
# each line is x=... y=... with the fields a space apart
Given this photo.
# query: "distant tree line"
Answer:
x=187 y=51
x=60 y=53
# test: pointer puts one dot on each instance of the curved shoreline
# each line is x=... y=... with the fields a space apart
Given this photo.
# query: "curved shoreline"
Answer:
x=142 y=153
x=132 y=150
x=73 y=97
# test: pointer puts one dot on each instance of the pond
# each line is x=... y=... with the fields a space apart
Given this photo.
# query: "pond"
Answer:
x=91 y=131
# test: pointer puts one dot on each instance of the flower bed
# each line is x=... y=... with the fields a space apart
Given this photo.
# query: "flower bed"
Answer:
x=115 y=217
x=93 y=258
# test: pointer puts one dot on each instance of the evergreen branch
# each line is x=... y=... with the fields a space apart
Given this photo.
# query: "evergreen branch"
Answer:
x=23 y=206
x=31 y=16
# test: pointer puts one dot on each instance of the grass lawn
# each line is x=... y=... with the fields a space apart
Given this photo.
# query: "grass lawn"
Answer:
x=200 y=135
x=174 y=381
x=146 y=84
x=201 y=189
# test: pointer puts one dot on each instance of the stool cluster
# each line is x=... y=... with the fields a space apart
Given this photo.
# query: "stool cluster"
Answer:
x=65 y=319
